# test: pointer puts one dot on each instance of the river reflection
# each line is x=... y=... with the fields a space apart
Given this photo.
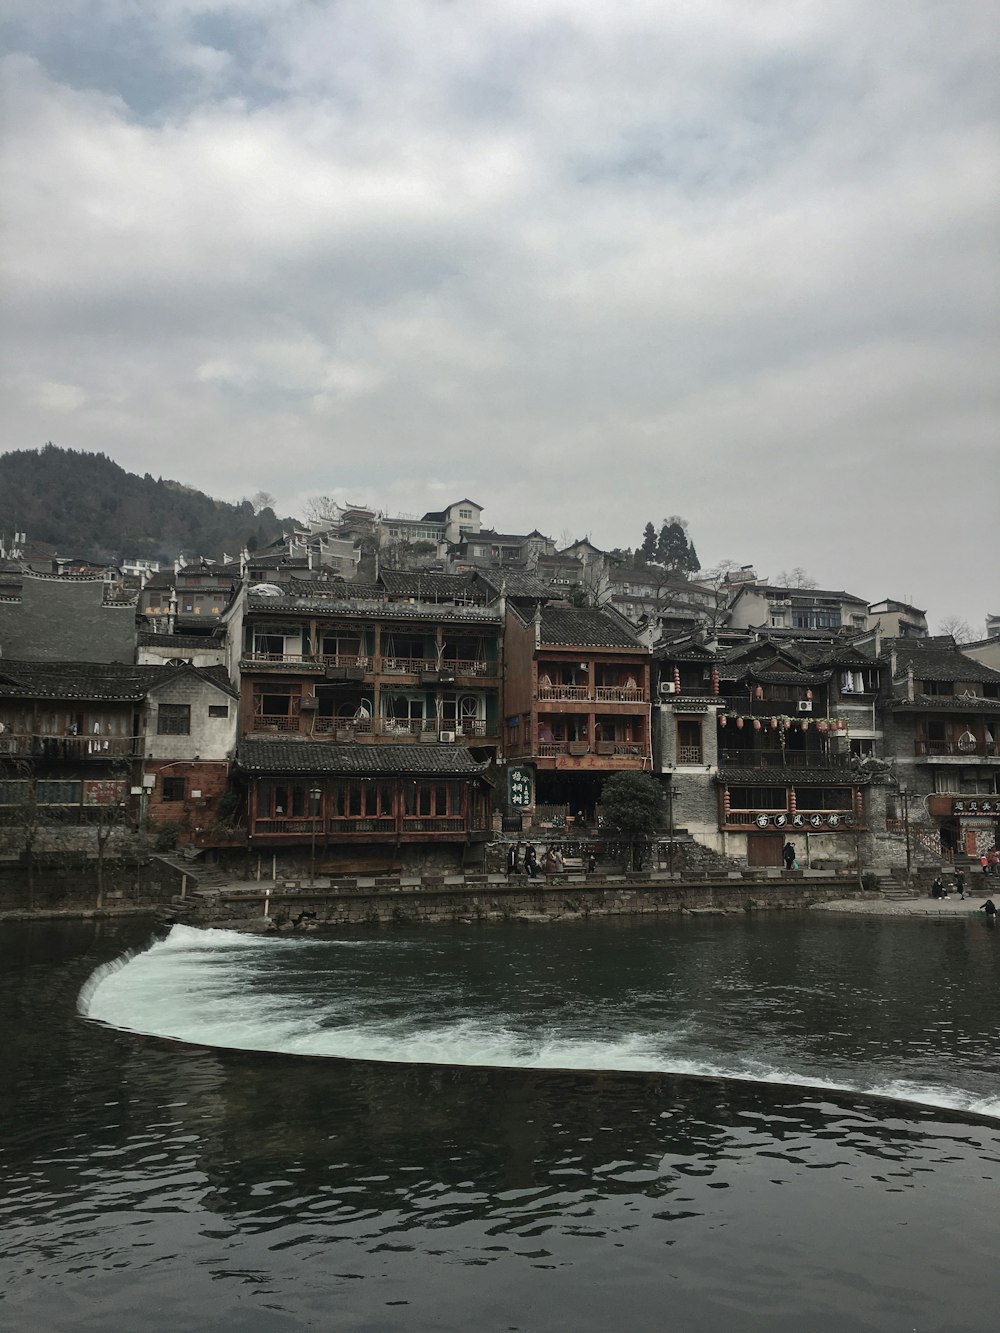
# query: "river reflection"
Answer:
x=155 y=1186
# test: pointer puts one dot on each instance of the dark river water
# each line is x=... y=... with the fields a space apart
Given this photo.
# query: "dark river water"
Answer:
x=780 y=1123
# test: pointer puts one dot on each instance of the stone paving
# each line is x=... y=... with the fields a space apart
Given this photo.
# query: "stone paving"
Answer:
x=952 y=906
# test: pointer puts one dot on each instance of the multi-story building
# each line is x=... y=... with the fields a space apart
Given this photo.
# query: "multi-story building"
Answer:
x=941 y=719
x=576 y=701
x=768 y=607
x=386 y=702
x=898 y=620
x=150 y=741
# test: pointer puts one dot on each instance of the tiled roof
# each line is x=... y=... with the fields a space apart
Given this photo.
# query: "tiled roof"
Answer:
x=514 y=582
x=767 y=776
x=768 y=677
x=345 y=601
x=573 y=627
x=938 y=659
x=96 y=681
x=148 y=639
x=414 y=583
x=936 y=703
x=289 y=756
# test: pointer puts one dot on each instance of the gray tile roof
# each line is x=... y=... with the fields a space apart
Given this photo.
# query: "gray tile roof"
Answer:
x=582 y=628
x=767 y=776
x=513 y=582
x=291 y=756
x=66 y=620
x=428 y=584
x=938 y=659
x=88 y=680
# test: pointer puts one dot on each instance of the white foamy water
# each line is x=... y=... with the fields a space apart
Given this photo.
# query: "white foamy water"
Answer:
x=259 y=993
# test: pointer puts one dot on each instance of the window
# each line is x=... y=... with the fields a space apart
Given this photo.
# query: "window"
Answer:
x=173 y=720
x=758 y=798
x=174 y=789
x=465 y=513
x=218 y=710
x=689 y=750
x=945 y=687
x=825 y=798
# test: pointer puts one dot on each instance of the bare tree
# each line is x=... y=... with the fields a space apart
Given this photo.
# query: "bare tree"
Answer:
x=261 y=500
x=959 y=629
x=797 y=578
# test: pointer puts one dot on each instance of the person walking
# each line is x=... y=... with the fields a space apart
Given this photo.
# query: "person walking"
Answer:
x=984 y=862
x=960 y=883
x=531 y=861
x=788 y=855
x=994 y=860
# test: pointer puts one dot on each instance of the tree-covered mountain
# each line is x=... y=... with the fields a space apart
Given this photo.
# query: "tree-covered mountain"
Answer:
x=89 y=507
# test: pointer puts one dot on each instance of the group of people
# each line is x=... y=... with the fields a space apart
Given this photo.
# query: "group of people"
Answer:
x=990 y=862
x=552 y=862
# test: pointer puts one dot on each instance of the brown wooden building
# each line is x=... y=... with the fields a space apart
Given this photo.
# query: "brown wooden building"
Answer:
x=576 y=700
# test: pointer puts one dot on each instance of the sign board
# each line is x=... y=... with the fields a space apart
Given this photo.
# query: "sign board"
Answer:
x=976 y=806
x=104 y=791
x=519 y=787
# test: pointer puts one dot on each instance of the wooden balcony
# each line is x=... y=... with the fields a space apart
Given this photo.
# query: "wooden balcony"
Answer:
x=22 y=745
x=565 y=693
x=757 y=758
x=344 y=729
x=620 y=694
x=373 y=827
x=959 y=748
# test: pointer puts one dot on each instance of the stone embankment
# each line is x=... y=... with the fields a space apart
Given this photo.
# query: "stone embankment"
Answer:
x=463 y=899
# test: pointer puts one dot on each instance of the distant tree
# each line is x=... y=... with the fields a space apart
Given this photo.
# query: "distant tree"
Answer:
x=960 y=630
x=693 y=563
x=648 y=547
x=633 y=807
x=797 y=578
x=261 y=500
x=672 y=548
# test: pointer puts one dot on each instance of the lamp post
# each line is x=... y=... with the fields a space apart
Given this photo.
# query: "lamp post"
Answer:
x=670 y=827
x=905 y=797
x=315 y=796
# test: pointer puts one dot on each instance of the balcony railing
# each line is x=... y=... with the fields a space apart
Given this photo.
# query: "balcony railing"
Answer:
x=781 y=759
x=362 y=825
x=621 y=694
x=964 y=749
x=347 y=727
x=389 y=665
x=32 y=746
x=567 y=693
x=406 y=666
x=276 y=722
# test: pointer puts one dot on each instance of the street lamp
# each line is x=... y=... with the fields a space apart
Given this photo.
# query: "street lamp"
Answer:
x=315 y=796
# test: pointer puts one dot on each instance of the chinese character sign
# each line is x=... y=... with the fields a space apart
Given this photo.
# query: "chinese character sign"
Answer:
x=519 y=787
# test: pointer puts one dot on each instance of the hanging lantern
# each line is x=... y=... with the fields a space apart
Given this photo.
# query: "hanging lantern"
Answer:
x=788 y=724
x=821 y=726
x=759 y=692
x=805 y=724
x=756 y=724
x=722 y=719
x=774 y=724
x=715 y=682
x=809 y=694
x=739 y=724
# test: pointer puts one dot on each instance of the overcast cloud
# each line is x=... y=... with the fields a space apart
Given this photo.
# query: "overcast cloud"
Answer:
x=589 y=263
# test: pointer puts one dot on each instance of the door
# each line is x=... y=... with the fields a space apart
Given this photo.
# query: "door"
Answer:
x=764 y=849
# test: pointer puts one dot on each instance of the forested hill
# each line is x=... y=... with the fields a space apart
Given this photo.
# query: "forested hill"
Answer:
x=89 y=507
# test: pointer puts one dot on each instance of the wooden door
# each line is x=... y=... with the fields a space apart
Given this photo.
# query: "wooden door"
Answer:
x=764 y=849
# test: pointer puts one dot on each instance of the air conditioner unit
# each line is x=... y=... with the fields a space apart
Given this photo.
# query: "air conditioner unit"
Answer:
x=805 y=706
x=668 y=687
x=446 y=736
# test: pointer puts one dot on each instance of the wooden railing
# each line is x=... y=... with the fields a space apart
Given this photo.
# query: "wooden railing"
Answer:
x=389 y=665
x=34 y=746
x=753 y=758
x=963 y=749
x=567 y=693
x=621 y=694
x=919 y=836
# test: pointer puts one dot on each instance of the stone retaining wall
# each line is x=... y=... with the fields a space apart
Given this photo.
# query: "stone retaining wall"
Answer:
x=345 y=904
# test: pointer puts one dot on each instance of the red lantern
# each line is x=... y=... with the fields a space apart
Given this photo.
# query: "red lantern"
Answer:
x=722 y=719
x=739 y=724
x=756 y=724
x=774 y=724
x=788 y=724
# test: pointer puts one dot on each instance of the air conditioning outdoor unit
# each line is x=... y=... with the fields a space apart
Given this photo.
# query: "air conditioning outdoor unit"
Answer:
x=668 y=687
x=805 y=706
x=446 y=736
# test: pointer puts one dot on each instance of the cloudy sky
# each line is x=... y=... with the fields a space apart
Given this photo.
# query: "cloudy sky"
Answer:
x=588 y=262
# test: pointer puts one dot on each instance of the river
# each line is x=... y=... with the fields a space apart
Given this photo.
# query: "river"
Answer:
x=782 y=1122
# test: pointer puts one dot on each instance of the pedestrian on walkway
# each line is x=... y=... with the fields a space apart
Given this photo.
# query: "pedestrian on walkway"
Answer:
x=984 y=861
x=960 y=883
x=788 y=855
x=531 y=861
